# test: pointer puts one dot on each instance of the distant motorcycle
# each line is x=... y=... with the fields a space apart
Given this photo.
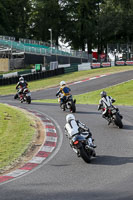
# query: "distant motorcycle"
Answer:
x=113 y=116
x=68 y=104
x=80 y=145
x=26 y=96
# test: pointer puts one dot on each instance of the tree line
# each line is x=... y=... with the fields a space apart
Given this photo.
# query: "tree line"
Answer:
x=84 y=24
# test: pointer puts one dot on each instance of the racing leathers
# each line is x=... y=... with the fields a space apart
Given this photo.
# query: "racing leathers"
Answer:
x=63 y=92
x=21 y=85
x=104 y=103
x=74 y=127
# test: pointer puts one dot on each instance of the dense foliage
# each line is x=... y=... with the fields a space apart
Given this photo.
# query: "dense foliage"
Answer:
x=82 y=23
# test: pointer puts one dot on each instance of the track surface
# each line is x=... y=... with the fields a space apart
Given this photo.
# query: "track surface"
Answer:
x=65 y=176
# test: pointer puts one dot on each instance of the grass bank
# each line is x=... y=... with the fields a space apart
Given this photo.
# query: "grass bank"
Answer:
x=17 y=130
x=123 y=93
x=53 y=81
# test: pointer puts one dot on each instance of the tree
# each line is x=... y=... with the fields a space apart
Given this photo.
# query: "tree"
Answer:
x=116 y=19
x=4 y=20
x=46 y=15
x=84 y=24
x=14 y=17
x=80 y=23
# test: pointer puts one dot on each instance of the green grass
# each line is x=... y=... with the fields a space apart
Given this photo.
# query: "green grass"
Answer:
x=16 y=133
x=123 y=93
x=53 y=81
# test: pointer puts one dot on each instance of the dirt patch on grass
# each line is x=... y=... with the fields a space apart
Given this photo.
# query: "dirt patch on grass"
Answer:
x=33 y=147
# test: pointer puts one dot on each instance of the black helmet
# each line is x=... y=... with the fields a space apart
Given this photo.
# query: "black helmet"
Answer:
x=103 y=94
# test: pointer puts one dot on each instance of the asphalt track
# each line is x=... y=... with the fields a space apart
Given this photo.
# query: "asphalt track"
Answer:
x=64 y=175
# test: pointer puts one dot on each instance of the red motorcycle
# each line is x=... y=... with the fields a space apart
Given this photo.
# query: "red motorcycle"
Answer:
x=25 y=96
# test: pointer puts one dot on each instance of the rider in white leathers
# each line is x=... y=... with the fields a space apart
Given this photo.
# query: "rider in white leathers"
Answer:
x=74 y=127
x=104 y=103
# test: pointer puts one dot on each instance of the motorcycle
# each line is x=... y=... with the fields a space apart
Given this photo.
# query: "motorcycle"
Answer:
x=113 y=116
x=80 y=145
x=26 y=95
x=68 y=103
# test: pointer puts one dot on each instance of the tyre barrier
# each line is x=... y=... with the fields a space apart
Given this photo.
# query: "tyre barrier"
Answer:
x=32 y=77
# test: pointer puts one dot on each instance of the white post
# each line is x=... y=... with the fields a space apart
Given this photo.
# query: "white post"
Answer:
x=50 y=38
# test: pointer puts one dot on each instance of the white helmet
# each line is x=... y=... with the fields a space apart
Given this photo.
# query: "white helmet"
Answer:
x=62 y=83
x=21 y=79
x=103 y=94
x=70 y=117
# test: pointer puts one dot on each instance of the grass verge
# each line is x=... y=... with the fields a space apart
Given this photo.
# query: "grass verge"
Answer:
x=123 y=93
x=53 y=81
x=17 y=130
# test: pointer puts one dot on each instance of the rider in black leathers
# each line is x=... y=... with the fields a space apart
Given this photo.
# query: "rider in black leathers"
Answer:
x=21 y=85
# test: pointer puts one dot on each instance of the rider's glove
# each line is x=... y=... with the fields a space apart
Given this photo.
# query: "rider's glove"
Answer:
x=113 y=100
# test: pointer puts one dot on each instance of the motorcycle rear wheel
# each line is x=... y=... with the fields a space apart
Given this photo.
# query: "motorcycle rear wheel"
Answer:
x=85 y=156
x=15 y=96
x=118 y=121
x=29 y=100
x=73 y=107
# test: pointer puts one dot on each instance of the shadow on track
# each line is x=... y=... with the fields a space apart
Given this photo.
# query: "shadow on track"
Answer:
x=111 y=160
x=45 y=104
x=83 y=112
x=128 y=127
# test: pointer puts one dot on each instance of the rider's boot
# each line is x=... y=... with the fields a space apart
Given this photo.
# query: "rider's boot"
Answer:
x=109 y=121
x=21 y=98
x=74 y=101
x=91 y=144
x=62 y=105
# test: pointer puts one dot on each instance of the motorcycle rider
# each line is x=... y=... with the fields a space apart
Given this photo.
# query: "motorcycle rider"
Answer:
x=104 y=103
x=74 y=126
x=63 y=92
x=21 y=85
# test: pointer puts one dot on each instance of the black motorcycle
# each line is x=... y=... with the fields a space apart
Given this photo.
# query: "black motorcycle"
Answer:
x=68 y=104
x=80 y=145
x=113 y=116
x=26 y=95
